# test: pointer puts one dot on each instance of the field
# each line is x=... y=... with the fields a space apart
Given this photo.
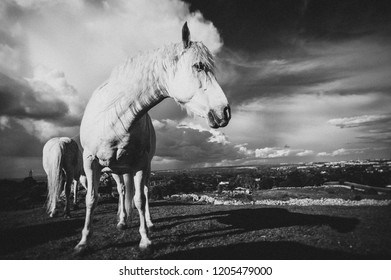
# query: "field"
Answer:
x=188 y=230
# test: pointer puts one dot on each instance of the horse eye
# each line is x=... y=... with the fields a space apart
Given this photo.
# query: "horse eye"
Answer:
x=199 y=66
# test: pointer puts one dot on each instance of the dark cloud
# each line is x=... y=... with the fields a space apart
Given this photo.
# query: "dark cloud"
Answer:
x=351 y=67
x=342 y=46
x=168 y=109
x=362 y=121
x=346 y=20
x=16 y=141
x=275 y=25
x=372 y=129
x=253 y=25
x=190 y=145
x=21 y=101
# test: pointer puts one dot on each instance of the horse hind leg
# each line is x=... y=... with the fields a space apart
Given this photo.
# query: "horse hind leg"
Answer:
x=75 y=195
x=53 y=211
x=121 y=201
x=150 y=225
x=67 y=190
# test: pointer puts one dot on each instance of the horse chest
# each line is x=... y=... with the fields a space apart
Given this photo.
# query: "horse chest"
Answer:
x=126 y=150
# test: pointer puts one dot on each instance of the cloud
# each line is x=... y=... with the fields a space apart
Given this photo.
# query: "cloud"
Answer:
x=21 y=99
x=341 y=152
x=305 y=153
x=217 y=136
x=277 y=152
x=16 y=141
x=45 y=105
x=357 y=121
x=4 y=122
x=272 y=152
x=86 y=39
x=372 y=130
x=190 y=145
x=42 y=42
x=357 y=66
x=293 y=81
x=53 y=54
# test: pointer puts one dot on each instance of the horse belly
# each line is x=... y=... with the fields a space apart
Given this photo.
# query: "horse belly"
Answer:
x=126 y=162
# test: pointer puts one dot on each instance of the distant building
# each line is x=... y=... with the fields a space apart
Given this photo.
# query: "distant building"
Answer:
x=29 y=181
x=241 y=190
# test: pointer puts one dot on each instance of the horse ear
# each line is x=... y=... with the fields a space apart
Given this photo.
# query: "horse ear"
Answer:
x=185 y=36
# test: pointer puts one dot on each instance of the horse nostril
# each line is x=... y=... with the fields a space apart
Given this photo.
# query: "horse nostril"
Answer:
x=227 y=112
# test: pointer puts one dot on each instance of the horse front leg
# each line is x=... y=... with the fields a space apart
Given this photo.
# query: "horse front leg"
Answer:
x=92 y=170
x=121 y=201
x=140 y=202
x=129 y=195
x=148 y=219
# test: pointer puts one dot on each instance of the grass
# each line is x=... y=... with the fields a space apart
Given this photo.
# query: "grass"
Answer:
x=189 y=231
x=200 y=231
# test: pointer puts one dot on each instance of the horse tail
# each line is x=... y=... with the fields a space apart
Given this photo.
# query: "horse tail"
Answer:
x=55 y=177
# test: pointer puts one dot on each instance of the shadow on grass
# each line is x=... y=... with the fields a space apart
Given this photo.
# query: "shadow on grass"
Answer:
x=15 y=239
x=279 y=250
x=268 y=218
x=250 y=219
x=239 y=221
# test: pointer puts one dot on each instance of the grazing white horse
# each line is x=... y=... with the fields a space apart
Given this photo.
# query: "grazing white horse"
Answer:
x=62 y=162
x=117 y=133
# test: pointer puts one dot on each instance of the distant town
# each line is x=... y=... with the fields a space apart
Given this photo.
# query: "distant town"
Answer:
x=374 y=173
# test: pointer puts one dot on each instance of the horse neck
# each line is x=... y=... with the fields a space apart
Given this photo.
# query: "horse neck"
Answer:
x=145 y=79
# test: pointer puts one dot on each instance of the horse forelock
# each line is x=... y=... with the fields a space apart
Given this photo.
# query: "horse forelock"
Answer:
x=202 y=54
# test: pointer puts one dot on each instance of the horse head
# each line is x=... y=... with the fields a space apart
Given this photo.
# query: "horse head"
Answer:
x=194 y=84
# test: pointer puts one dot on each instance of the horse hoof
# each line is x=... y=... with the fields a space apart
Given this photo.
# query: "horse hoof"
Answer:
x=146 y=250
x=145 y=245
x=53 y=215
x=80 y=249
x=67 y=216
x=121 y=226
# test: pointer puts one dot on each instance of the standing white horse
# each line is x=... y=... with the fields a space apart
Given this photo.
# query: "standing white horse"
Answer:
x=62 y=162
x=117 y=133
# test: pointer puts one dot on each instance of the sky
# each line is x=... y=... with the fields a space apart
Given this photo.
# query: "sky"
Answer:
x=306 y=80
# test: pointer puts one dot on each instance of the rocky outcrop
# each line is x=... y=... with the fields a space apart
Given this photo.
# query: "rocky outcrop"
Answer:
x=292 y=201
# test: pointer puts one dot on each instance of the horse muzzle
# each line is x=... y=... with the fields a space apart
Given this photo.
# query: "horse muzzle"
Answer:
x=219 y=120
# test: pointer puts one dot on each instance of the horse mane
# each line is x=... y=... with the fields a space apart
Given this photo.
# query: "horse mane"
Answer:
x=162 y=61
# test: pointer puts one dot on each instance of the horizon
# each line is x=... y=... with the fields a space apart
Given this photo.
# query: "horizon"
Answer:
x=42 y=173
x=307 y=81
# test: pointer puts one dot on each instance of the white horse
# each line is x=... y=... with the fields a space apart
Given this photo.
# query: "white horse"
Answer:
x=117 y=133
x=62 y=162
